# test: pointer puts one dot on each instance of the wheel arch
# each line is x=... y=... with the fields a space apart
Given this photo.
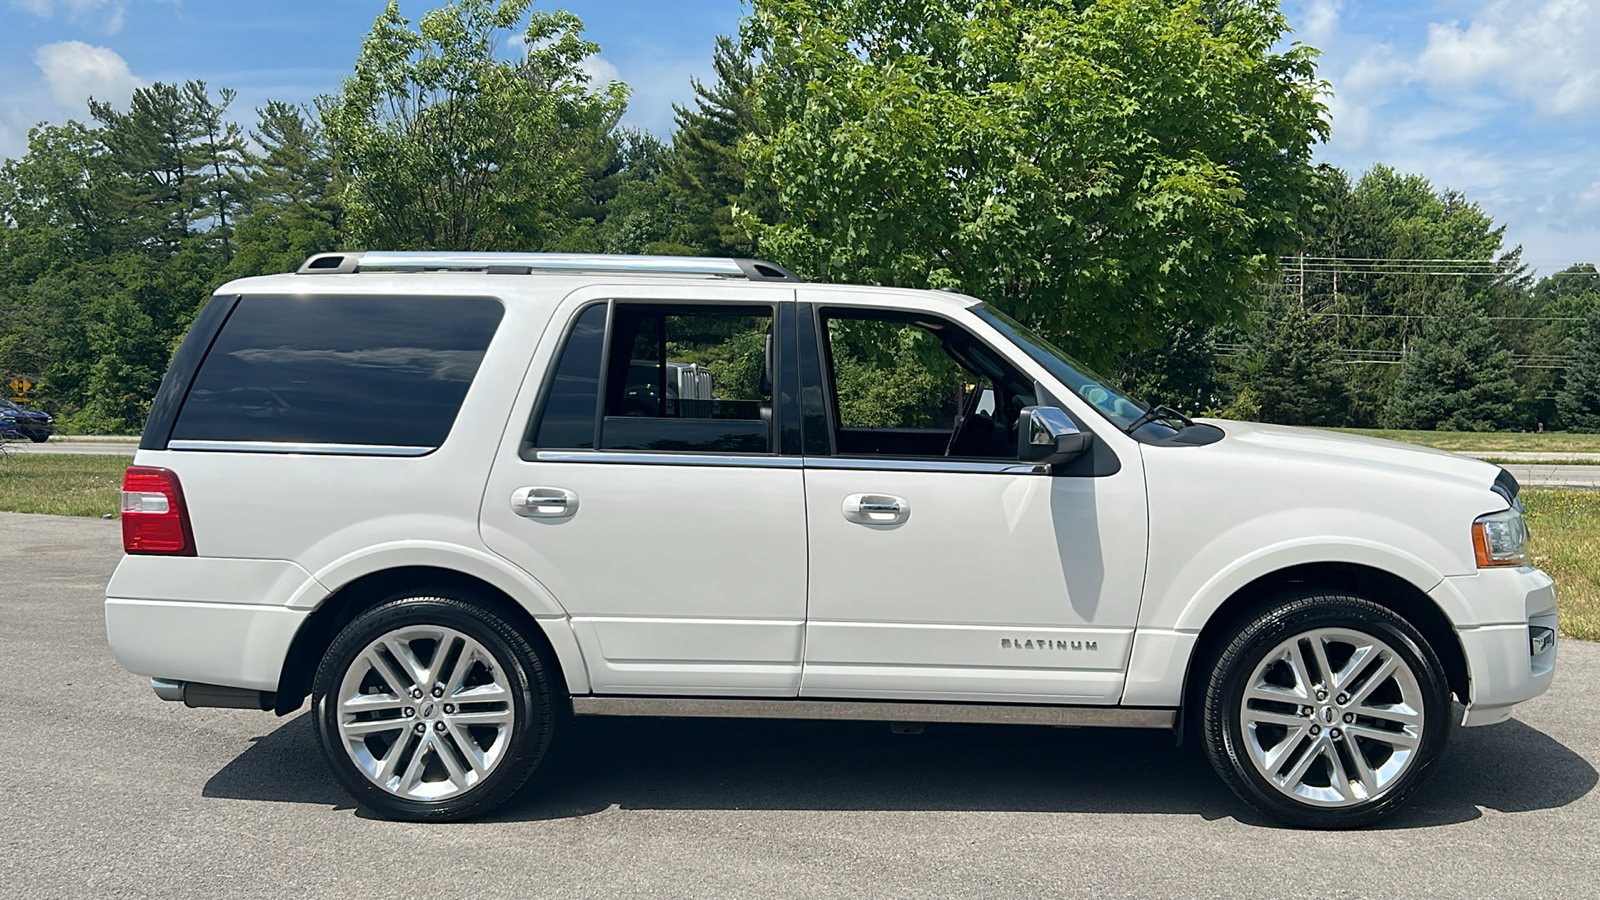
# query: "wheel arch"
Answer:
x=552 y=635
x=1385 y=588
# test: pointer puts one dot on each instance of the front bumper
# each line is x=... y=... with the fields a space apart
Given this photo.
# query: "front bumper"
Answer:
x=1511 y=653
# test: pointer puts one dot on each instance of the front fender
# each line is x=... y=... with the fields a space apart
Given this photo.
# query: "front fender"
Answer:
x=1302 y=551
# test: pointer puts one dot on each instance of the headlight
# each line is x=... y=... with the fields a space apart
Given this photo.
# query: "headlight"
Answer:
x=1501 y=539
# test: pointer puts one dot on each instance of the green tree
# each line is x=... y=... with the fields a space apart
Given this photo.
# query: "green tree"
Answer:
x=446 y=144
x=1380 y=253
x=707 y=172
x=1181 y=373
x=1578 y=401
x=1101 y=169
x=293 y=208
x=114 y=234
x=630 y=207
x=1458 y=377
x=1286 y=372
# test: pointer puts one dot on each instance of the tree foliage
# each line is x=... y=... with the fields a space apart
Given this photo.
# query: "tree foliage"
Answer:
x=1101 y=169
x=708 y=174
x=1579 y=398
x=1287 y=373
x=446 y=144
x=1459 y=376
x=1125 y=175
x=115 y=231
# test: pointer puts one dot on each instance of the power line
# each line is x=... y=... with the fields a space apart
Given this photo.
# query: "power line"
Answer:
x=1368 y=265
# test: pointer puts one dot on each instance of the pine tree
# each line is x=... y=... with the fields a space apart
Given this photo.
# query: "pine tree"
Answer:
x=292 y=209
x=221 y=156
x=1578 y=401
x=1181 y=373
x=1287 y=373
x=1458 y=377
x=706 y=173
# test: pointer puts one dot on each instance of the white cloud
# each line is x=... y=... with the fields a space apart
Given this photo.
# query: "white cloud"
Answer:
x=1541 y=53
x=78 y=11
x=1321 y=21
x=600 y=71
x=77 y=71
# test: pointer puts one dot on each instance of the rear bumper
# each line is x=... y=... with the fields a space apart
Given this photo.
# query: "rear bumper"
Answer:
x=230 y=644
x=211 y=621
x=1511 y=660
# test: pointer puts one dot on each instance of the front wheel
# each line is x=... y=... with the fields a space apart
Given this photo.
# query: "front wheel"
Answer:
x=1326 y=711
x=430 y=707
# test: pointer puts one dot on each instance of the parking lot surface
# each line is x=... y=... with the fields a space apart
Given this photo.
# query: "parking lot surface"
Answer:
x=109 y=792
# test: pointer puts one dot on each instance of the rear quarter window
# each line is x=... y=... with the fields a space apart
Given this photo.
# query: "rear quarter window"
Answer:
x=381 y=371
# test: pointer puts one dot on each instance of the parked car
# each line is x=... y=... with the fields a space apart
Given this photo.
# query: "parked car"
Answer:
x=443 y=496
x=21 y=422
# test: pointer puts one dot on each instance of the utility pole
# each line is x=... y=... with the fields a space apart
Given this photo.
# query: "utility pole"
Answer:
x=1302 y=282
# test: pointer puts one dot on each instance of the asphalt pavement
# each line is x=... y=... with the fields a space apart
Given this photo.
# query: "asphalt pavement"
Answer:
x=106 y=791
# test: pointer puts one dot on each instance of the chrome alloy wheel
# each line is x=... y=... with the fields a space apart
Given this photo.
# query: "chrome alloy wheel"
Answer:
x=425 y=712
x=1332 y=717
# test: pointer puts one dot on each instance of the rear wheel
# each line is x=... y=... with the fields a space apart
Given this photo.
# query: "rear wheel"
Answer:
x=1326 y=711
x=431 y=707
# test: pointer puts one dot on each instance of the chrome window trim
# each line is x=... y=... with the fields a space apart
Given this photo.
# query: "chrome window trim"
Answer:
x=753 y=461
x=968 y=467
x=315 y=449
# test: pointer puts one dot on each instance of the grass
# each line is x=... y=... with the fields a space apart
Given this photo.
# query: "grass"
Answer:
x=1566 y=543
x=1489 y=441
x=1565 y=524
x=62 y=485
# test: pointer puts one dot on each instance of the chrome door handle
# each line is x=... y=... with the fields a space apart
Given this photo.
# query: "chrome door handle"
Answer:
x=544 y=502
x=876 y=509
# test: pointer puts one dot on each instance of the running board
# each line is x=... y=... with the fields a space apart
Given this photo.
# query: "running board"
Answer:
x=681 y=707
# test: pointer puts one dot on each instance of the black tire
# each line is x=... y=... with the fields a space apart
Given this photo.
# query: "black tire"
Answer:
x=529 y=682
x=38 y=438
x=1326 y=615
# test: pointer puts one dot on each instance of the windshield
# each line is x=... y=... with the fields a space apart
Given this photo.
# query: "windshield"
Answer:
x=7 y=404
x=1121 y=409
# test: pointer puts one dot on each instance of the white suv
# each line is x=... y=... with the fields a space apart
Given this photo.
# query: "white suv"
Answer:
x=457 y=499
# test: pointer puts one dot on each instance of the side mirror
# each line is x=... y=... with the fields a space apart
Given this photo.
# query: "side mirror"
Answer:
x=1047 y=435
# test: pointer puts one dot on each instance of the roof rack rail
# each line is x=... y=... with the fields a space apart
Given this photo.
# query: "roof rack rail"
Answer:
x=530 y=263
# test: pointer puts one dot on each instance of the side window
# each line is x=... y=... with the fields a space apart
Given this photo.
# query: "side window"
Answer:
x=567 y=421
x=889 y=374
x=909 y=385
x=689 y=378
x=339 y=370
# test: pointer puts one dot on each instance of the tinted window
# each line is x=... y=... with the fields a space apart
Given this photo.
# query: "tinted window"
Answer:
x=569 y=408
x=339 y=370
x=689 y=379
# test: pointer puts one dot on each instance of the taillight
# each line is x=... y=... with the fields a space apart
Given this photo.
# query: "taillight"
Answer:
x=154 y=517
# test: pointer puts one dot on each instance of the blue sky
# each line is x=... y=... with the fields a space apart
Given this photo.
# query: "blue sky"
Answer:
x=1495 y=98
